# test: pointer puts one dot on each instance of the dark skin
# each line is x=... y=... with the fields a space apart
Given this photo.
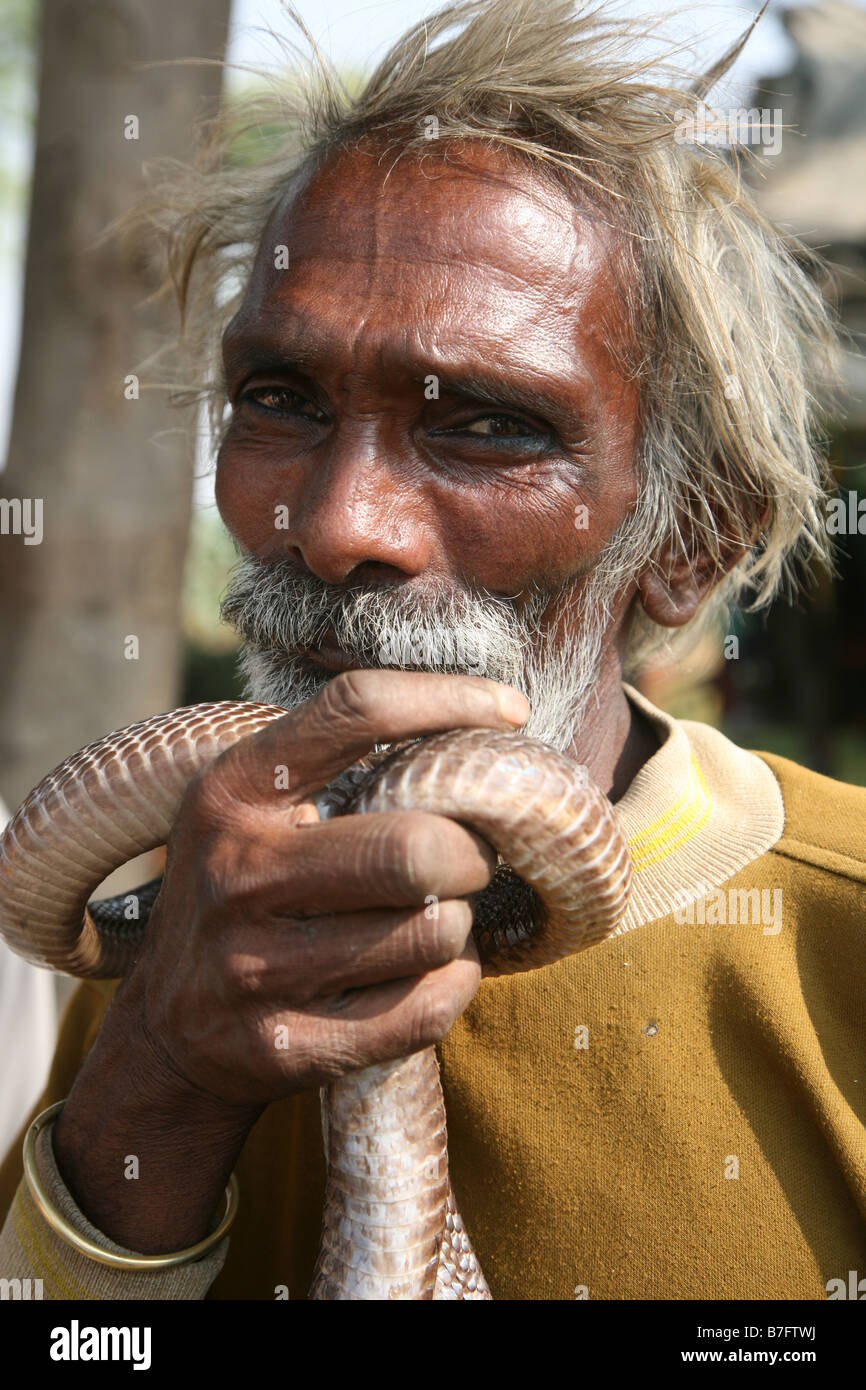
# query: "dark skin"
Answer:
x=486 y=277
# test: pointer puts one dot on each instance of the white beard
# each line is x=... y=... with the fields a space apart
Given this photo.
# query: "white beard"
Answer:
x=279 y=610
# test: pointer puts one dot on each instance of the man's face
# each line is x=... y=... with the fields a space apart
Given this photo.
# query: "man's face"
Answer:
x=424 y=398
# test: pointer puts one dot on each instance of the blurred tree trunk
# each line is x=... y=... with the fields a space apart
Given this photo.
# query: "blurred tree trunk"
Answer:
x=114 y=474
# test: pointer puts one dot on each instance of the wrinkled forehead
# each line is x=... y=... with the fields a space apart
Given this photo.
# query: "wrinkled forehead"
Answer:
x=421 y=230
x=453 y=201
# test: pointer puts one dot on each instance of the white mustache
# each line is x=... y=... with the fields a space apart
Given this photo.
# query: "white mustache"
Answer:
x=282 y=612
x=274 y=605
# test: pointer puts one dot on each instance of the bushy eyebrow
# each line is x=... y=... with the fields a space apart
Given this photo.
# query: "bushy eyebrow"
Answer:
x=244 y=352
x=518 y=393
x=248 y=352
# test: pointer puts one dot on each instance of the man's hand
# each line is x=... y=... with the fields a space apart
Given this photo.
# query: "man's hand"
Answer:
x=282 y=951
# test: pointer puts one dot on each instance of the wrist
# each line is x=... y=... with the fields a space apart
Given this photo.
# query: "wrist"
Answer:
x=42 y=1177
x=146 y=1155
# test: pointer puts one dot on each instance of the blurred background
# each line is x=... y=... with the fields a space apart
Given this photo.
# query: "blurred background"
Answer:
x=133 y=546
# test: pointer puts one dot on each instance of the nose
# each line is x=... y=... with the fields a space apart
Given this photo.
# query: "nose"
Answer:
x=361 y=512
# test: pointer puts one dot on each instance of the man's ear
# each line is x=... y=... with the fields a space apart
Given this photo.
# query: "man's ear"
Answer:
x=673 y=585
x=670 y=594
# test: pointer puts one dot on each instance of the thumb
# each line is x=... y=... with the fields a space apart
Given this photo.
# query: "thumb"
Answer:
x=297 y=755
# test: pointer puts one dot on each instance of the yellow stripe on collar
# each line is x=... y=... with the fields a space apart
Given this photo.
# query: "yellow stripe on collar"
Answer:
x=678 y=824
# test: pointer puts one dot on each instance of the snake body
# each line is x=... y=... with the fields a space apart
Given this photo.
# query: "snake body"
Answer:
x=391 y=1227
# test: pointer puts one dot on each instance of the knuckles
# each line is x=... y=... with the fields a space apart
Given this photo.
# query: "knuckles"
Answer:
x=421 y=861
x=204 y=802
x=432 y=1017
x=350 y=700
x=242 y=974
x=439 y=938
x=438 y=857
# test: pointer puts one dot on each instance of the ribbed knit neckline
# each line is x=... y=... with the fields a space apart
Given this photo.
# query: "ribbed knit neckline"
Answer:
x=699 y=810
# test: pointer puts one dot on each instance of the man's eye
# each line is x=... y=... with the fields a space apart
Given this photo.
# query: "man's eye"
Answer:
x=282 y=400
x=502 y=427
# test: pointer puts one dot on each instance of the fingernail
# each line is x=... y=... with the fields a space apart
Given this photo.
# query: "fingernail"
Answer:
x=512 y=705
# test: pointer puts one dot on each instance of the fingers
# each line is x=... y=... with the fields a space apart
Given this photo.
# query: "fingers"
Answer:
x=295 y=756
x=395 y=859
x=381 y=860
x=320 y=958
x=381 y=1022
x=271 y=918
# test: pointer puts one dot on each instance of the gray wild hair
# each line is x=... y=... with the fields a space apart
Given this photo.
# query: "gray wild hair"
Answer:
x=731 y=342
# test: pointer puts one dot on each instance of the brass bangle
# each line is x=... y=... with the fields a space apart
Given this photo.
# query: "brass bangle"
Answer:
x=64 y=1228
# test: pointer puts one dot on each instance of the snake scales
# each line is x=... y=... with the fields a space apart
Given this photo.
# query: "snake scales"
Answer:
x=391 y=1228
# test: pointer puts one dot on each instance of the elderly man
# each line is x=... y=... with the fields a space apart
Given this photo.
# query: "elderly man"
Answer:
x=519 y=384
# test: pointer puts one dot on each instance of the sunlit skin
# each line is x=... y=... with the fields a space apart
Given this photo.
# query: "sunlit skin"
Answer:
x=485 y=277
x=489 y=280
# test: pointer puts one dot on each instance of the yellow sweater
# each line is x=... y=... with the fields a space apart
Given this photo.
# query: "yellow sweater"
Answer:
x=677 y=1113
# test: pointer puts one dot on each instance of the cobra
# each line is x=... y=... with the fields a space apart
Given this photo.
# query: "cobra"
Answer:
x=391 y=1227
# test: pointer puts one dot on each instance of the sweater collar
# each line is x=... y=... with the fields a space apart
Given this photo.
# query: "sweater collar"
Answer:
x=699 y=810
